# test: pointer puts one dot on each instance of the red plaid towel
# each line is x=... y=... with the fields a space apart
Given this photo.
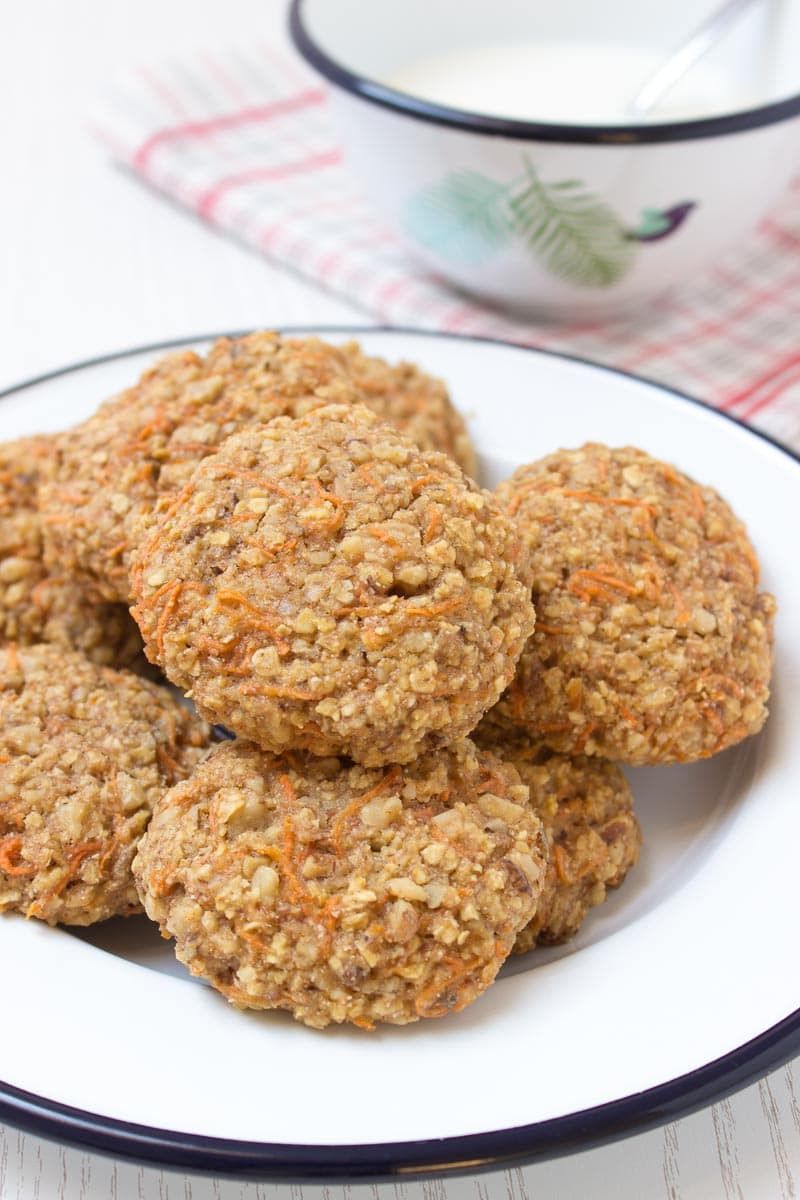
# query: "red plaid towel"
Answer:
x=245 y=141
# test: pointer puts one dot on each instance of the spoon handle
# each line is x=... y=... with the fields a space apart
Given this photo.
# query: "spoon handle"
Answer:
x=689 y=52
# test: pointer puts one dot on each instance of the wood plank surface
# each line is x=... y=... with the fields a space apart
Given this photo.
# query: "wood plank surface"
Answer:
x=746 y=1147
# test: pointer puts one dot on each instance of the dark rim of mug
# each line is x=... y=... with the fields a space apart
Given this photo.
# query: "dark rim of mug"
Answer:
x=640 y=133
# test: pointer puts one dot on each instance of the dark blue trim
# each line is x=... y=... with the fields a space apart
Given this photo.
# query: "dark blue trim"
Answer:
x=495 y=1150
x=440 y=114
x=492 y=1150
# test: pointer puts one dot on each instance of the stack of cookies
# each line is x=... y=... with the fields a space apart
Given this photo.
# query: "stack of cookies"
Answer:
x=428 y=685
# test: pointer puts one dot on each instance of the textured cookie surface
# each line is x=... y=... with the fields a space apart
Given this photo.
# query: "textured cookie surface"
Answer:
x=84 y=753
x=40 y=604
x=413 y=401
x=323 y=584
x=653 y=643
x=586 y=808
x=343 y=893
x=143 y=444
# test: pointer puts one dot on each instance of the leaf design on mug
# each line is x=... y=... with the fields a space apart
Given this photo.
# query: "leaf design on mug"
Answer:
x=465 y=217
x=468 y=217
x=576 y=236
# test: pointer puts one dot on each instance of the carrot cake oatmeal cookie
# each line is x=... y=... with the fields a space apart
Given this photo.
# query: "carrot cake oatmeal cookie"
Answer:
x=144 y=443
x=652 y=643
x=343 y=893
x=413 y=401
x=84 y=753
x=323 y=584
x=38 y=604
x=586 y=808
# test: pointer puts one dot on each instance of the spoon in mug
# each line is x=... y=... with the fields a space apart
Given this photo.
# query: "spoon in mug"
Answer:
x=690 y=51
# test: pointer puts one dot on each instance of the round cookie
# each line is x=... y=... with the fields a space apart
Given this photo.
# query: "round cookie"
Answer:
x=342 y=893
x=652 y=643
x=42 y=605
x=413 y=401
x=84 y=753
x=143 y=444
x=323 y=584
x=586 y=808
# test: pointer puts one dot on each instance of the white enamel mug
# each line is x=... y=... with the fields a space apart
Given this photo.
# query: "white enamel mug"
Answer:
x=559 y=219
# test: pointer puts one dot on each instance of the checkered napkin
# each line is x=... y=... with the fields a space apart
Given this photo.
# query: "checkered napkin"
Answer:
x=245 y=140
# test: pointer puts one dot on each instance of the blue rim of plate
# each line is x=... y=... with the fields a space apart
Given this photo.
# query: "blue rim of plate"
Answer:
x=375 y=92
x=465 y=1154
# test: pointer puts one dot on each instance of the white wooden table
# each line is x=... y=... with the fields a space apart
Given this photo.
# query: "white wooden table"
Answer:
x=90 y=263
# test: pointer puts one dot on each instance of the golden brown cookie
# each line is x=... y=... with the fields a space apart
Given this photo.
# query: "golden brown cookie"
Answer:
x=343 y=893
x=84 y=753
x=586 y=808
x=324 y=584
x=652 y=642
x=143 y=444
x=40 y=604
x=415 y=402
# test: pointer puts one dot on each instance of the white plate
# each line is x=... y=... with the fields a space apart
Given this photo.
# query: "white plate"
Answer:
x=684 y=986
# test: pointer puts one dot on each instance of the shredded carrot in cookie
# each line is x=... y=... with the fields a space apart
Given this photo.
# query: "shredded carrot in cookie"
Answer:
x=449 y=994
x=9 y=849
x=584 y=736
x=256 y=619
x=590 y=585
x=698 y=503
x=291 y=864
x=597 y=498
x=12 y=657
x=434 y=610
x=336 y=520
x=381 y=535
x=536 y=485
x=434 y=525
x=424 y=481
x=75 y=859
x=682 y=612
x=173 y=770
x=392 y=779
x=253 y=688
x=628 y=716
